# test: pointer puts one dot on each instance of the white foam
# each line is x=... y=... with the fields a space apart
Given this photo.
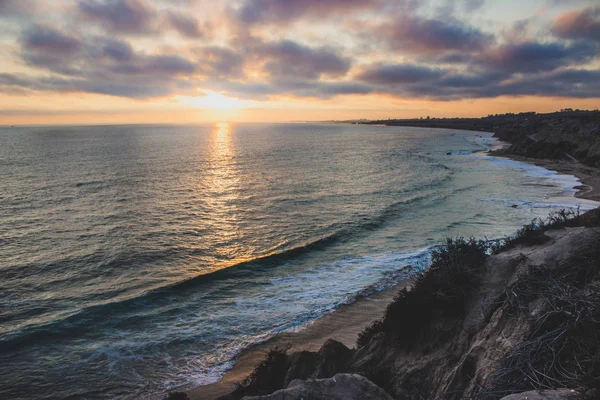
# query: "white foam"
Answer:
x=567 y=183
x=303 y=297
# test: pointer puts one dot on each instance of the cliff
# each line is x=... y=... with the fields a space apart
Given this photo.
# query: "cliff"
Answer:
x=474 y=326
x=573 y=136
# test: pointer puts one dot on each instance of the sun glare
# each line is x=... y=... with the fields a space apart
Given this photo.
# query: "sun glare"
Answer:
x=216 y=100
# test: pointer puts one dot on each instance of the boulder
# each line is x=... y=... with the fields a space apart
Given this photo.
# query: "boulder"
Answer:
x=334 y=357
x=340 y=387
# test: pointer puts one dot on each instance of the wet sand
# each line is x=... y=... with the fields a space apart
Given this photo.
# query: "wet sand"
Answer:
x=343 y=324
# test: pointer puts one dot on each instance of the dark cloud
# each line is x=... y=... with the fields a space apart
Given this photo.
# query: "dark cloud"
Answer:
x=578 y=24
x=448 y=86
x=139 y=17
x=156 y=65
x=282 y=11
x=463 y=81
x=49 y=48
x=100 y=65
x=50 y=40
x=117 y=50
x=398 y=73
x=132 y=88
x=421 y=35
x=290 y=59
x=577 y=83
x=185 y=24
x=123 y=16
x=534 y=56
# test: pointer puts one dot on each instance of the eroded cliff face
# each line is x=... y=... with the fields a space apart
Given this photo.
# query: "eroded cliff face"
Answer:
x=522 y=328
x=464 y=357
x=557 y=136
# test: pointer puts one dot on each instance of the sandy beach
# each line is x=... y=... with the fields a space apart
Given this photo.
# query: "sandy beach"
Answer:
x=589 y=176
x=343 y=324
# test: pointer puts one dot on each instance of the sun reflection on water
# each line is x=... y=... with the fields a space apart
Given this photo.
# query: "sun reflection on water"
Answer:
x=223 y=183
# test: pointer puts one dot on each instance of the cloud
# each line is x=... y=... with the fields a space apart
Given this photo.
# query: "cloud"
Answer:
x=282 y=11
x=289 y=59
x=50 y=40
x=535 y=56
x=422 y=35
x=473 y=5
x=123 y=16
x=49 y=48
x=129 y=50
x=156 y=65
x=100 y=65
x=117 y=50
x=10 y=8
x=578 y=24
x=398 y=73
x=185 y=24
x=131 y=88
x=221 y=62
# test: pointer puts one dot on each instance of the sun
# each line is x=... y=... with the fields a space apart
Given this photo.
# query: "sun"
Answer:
x=216 y=100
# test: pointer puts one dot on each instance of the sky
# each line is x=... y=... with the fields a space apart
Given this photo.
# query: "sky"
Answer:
x=189 y=61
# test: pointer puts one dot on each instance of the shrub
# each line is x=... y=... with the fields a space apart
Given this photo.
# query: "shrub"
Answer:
x=267 y=377
x=533 y=233
x=440 y=291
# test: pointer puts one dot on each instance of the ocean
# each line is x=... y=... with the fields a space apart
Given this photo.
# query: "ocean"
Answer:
x=139 y=259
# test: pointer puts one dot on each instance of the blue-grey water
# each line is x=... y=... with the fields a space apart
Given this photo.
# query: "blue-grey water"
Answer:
x=137 y=259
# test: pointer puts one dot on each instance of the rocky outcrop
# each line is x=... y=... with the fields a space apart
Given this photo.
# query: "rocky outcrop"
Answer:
x=340 y=387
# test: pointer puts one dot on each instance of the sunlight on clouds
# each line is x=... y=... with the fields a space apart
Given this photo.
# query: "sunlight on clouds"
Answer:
x=217 y=101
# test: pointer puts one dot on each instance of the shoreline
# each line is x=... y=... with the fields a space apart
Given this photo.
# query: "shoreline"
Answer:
x=343 y=324
x=588 y=176
x=346 y=322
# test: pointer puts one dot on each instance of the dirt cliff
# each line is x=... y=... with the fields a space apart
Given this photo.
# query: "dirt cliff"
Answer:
x=573 y=135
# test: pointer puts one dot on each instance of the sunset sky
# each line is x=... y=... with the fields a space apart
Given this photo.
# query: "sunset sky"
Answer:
x=183 y=61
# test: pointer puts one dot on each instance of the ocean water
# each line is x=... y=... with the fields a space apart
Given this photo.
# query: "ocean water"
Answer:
x=138 y=259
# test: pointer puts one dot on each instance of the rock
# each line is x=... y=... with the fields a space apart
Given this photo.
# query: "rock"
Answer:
x=334 y=358
x=558 y=394
x=302 y=366
x=340 y=387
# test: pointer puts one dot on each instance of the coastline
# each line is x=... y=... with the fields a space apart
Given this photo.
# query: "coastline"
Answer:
x=345 y=323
